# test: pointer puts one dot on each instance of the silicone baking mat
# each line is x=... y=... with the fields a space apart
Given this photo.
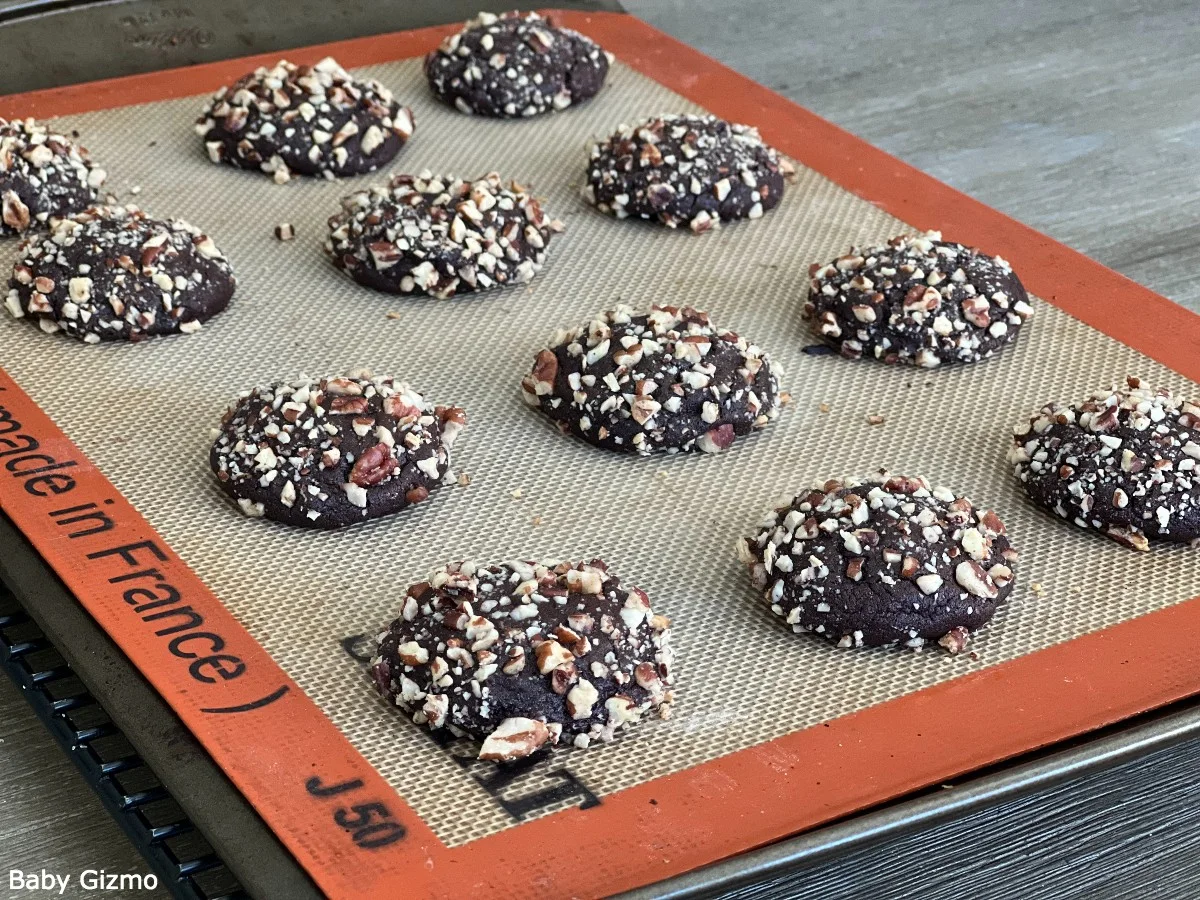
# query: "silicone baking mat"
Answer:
x=772 y=732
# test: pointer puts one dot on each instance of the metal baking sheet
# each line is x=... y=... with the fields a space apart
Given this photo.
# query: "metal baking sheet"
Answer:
x=143 y=414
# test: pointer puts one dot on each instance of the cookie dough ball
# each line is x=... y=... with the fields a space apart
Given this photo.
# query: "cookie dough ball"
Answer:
x=314 y=120
x=885 y=561
x=43 y=175
x=115 y=274
x=523 y=654
x=515 y=64
x=665 y=381
x=689 y=170
x=440 y=235
x=331 y=452
x=1125 y=462
x=918 y=300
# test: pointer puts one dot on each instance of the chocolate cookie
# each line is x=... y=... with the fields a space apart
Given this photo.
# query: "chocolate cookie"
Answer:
x=440 y=235
x=115 y=274
x=515 y=64
x=884 y=561
x=42 y=174
x=918 y=300
x=666 y=381
x=693 y=170
x=1125 y=462
x=315 y=120
x=523 y=654
x=334 y=451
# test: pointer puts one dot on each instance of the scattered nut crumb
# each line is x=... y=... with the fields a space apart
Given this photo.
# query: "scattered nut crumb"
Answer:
x=135 y=189
x=392 y=314
x=824 y=407
x=956 y=640
x=1037 y=589
x=784 y=398
x=464 y=479
x=284 y=231
x=518 y=494
x=537 y=520
x=875 y=419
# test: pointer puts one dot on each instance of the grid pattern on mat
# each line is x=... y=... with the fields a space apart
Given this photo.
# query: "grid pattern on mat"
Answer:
x=144 y=414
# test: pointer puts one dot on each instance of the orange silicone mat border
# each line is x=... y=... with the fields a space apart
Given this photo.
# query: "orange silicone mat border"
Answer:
x=749 y=798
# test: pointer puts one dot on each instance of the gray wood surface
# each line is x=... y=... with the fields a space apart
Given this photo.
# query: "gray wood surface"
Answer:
x=49 y=818
x=1081 y=119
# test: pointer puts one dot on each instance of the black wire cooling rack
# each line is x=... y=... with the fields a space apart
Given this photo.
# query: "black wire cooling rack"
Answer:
x=183 y=860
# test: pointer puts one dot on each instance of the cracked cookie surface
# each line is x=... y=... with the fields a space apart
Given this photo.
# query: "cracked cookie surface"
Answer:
x=310 y=120
x=440 y=236
x=917 y=300
x=1125 y=462
x=115 y=274
x=43 y=175
x=522 y=655
x=882 y=561
x=685 y=170
x=329 y=452
x=515 y=65
x=663 y=381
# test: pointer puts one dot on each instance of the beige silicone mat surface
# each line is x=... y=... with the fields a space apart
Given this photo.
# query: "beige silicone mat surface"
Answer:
x=144 y=413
